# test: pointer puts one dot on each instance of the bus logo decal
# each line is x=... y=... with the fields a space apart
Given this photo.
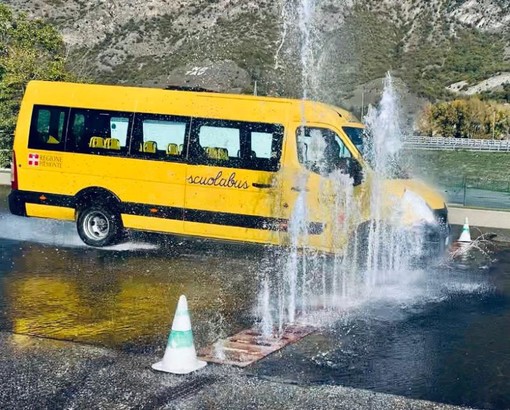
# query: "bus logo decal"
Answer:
x=33 y=160
x=219 y=180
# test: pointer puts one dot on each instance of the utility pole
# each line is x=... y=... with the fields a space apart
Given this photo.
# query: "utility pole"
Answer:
x=362 y=102
x=493 y=124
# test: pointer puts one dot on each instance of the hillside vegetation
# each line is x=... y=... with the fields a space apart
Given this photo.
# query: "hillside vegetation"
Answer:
x=29 y=50
x=430 y=44
x=427 y=57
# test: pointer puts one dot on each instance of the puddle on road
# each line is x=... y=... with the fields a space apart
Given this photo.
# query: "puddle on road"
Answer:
x=121 y=299
x=124 y=296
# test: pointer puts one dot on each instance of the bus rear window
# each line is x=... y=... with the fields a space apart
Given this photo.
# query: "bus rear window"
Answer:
x=47 y=129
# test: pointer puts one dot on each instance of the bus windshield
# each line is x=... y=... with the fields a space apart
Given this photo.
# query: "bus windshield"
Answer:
x=361 y=138
x=356 y=135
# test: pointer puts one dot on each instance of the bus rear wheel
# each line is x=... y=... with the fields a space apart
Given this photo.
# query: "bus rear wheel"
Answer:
x=99 y=225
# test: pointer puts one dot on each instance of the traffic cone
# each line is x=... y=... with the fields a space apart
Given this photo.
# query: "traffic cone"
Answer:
x=180 y=354
x=465 y=236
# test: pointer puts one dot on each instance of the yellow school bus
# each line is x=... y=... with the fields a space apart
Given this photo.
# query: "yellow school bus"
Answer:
x=203 y=164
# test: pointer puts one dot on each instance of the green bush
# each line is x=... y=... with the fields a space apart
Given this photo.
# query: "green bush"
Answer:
x=29 y=50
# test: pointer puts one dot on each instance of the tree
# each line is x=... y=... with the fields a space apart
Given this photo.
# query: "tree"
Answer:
x=469 y=118
x=29 y=50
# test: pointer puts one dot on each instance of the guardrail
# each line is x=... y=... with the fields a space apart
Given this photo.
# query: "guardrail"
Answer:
x=440 y=143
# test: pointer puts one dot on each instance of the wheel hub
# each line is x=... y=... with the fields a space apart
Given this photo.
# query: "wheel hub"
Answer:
x=96 y=225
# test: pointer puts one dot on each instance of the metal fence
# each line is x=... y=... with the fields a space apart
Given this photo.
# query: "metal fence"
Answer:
x=440 y=143
x=477 y=192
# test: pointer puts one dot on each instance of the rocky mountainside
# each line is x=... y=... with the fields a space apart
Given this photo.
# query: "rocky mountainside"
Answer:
x=429 y=44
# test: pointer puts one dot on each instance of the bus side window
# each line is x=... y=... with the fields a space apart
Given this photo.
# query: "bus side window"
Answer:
x=264 y=146
x=160 y=137
x=236 y=144
x=221 y=143
x=47 y=130
x=321 y=150
x=99 y=132
x=77 y=130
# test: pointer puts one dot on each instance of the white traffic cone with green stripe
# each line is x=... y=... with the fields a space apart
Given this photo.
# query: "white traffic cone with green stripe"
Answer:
x=465 y=236
x=180 y=354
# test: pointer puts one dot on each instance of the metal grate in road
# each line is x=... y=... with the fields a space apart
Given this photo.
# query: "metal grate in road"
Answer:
x=249 y=346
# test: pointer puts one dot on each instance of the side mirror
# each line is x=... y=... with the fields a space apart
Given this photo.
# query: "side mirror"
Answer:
x=355 y=171
x=353 y=168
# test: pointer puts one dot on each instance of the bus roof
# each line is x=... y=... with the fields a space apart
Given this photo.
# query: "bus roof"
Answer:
x=183 y=102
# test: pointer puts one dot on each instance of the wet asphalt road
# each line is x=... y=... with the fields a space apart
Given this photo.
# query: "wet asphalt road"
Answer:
x=123 y=299
x=48 y=374
x=80 y=328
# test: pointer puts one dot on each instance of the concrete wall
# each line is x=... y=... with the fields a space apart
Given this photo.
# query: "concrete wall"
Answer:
x=5 y=176
x=482 y=218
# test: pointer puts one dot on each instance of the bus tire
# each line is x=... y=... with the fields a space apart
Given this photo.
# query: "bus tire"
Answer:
x=358 y=245
x=360 y=242
x=99 y=225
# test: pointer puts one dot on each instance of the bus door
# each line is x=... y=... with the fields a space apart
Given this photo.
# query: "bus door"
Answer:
x=336 y=193
x=157 y=174
x=230 y=190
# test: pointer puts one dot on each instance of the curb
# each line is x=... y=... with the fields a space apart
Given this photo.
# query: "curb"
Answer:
x=479 y=217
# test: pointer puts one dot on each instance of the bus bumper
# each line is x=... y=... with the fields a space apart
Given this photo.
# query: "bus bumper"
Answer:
x=436 y=240
x=17 y=204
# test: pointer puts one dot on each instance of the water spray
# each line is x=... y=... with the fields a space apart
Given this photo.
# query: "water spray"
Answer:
x=376 y=254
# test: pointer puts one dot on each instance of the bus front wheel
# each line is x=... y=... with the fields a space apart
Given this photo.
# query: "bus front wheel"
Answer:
x=99 y=225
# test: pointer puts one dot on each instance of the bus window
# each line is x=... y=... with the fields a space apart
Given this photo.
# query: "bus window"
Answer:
x=100 y=132
x=236 y=144
x=357 y=136
x=160 y=136
x=262 y=144
x=78 y=125
x=119 y=129
x=48 y=128
x=321 y=150
x=220 y=143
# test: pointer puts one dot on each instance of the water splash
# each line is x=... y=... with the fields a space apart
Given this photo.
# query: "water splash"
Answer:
x=385 y=132
x=299 y=48
x=376 y=255
x=306 y=14
x=57 y=233
x=478 y=247
x=291 y=287
x=267 y=324
x=388 y=243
